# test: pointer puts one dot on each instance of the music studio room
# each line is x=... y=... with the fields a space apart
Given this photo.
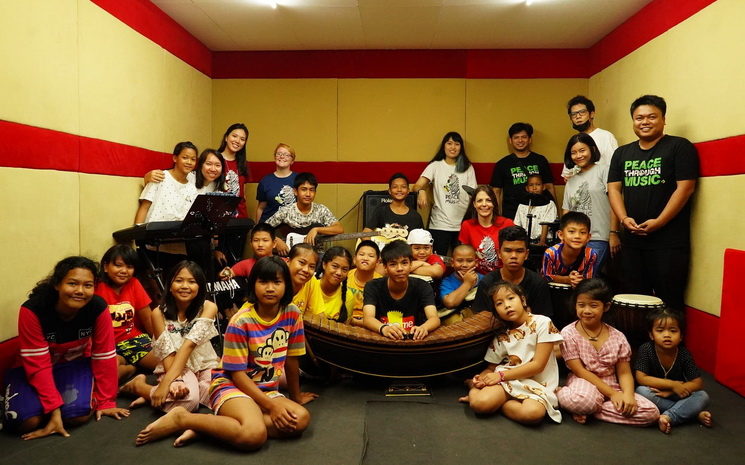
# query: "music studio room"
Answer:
x=96 y=93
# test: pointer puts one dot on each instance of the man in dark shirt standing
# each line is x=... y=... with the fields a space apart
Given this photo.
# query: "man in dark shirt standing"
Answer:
x=511 y=173
x=650 y=184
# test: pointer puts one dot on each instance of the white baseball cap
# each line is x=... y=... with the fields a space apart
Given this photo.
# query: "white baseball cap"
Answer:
x=420 y=237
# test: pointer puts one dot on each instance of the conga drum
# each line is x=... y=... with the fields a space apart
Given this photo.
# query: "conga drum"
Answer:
x=629 y=315
x=561 y=301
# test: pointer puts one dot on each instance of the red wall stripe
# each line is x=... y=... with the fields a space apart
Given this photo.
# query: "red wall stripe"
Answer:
x=723 y=157
x=151 y=22
x=29 y=147
x=648 y=23
x=347 y=64
x=39 y=148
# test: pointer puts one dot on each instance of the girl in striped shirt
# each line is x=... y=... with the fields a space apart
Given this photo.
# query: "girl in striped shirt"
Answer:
x=263 y=341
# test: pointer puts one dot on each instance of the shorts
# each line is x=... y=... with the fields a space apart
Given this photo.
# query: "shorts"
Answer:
x=223 y=389
x=133 y=350
x=74 y=381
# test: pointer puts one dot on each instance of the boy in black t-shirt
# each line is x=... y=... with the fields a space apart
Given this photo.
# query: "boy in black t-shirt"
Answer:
x=396 y=306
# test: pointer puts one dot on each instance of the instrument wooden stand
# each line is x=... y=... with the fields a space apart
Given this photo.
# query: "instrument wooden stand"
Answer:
x=407 y=389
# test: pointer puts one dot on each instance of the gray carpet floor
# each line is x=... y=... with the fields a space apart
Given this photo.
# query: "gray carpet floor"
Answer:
x=354 y=422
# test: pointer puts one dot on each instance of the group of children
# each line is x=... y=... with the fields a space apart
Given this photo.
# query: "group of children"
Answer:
x=91 y=329
x=522 y=379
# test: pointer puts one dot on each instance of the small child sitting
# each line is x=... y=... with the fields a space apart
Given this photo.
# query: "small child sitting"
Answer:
x=397 y=306
x=541 y=214
x=424 y=263
x=667 y=374
x=570 y=261
x=522 y=375
x=262 y=239
x=458 y=290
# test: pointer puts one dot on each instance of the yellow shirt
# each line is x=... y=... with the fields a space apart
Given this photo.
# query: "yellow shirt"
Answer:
x=354 y=305
x=301 y=298
x=329 y=305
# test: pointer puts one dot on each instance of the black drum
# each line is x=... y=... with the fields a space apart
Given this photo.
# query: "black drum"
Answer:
x=561 y=301
x=628 y=314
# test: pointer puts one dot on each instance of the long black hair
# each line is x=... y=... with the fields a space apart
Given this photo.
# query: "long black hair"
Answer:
x=240 y=156
x=220 y=180
x=462 y=162
x=169 y=308
x=45 y=292
x=329 y=255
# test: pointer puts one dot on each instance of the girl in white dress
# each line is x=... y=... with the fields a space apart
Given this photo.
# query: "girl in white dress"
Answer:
x=522 y=374
x=183 y=327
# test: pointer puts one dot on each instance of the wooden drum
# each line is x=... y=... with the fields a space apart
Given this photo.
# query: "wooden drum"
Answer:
x=628 y=314
x=447 y=349
x=561 y=301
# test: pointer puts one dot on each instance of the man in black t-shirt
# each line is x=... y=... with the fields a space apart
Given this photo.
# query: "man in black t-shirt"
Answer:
x=397 y=306
x=510 y=174
x=513 y=251
x=650 y=184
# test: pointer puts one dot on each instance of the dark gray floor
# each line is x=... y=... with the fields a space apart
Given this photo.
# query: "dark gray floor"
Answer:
x=353 y=422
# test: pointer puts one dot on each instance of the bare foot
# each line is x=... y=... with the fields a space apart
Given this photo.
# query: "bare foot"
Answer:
x=581 y=419
x=705 y=418
x=186 y=437
x=162 y=427
x=130 y=388
x=464 y=399
x=664 y=424
x=139 y=402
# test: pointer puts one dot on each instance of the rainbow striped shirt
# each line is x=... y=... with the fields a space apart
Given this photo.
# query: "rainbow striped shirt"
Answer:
x=260 y=347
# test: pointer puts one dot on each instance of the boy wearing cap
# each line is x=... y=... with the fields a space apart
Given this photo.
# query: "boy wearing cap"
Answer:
x=425 y=262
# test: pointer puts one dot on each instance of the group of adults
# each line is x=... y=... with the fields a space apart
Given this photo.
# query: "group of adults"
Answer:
x=637 y=196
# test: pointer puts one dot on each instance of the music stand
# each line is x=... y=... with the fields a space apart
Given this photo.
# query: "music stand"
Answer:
x=208 y=217
x=533 y=200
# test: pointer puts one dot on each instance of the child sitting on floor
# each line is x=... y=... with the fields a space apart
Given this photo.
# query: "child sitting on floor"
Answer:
x=601 y=383
x=397 y=306
x=129 y=306
x=459 y=289
x=184 y=326
x=262 y=342
x=522 y=374
x=667 y=374
x=570 y=261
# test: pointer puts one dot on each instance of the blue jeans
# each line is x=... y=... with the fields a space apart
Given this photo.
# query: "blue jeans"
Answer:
x=677 y=409
x=602 y=248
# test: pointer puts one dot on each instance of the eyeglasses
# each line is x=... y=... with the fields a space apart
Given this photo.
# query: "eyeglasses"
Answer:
x=282 y=155
x=578 y=112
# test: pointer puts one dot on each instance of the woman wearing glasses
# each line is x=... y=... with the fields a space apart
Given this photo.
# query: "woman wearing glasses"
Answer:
x=275 y=189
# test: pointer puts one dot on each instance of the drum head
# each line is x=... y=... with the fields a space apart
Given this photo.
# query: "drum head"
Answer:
x=638 y=300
